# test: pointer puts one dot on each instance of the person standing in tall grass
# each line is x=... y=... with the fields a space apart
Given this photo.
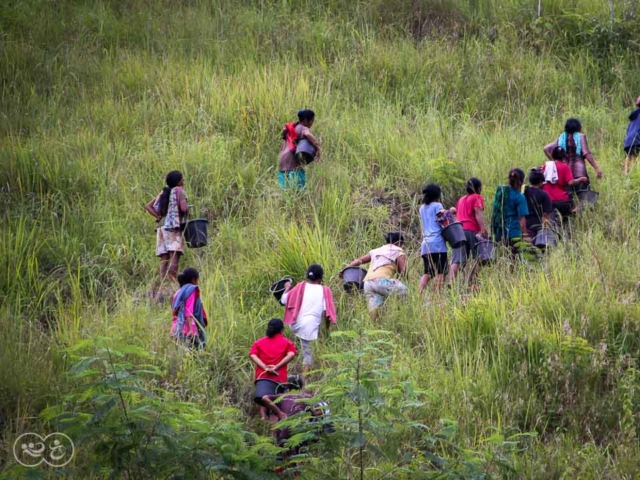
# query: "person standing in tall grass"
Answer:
x=574 y=142
x=434 y=247
x=558 y=180
x=386 y=263
x=271 y=354
x=291 y=173
x=306 y=305
x=508 y=220
x=632 y=138
x=470 y=214
x=538 y=203
x=169 y=209
x=189 y=315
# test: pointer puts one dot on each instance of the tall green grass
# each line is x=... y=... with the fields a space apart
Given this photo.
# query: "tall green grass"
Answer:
x=99 y=100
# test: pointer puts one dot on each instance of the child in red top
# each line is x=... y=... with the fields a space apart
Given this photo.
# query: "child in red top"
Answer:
x=557 y=188
x=271 y=354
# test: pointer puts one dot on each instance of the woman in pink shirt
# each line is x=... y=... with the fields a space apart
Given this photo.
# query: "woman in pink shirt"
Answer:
x=189 y=316
x=470 y=210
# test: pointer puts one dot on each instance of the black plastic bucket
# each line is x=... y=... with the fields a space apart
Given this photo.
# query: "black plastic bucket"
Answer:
x=587 y=197
x=305 y=151
x=195 y=233
x=485 y=251
x=278 y=288
x=353 y=278
x=546 y=238
x=454 y=235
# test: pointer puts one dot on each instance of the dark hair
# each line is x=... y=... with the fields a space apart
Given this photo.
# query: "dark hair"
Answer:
x=315 y=272
x=572 y=126
x=274 y=327
x=306 y=115
x=188 y=275
x=295 y=382
x=394 y=237
x=474 y=185
x=558 y=153
x=431 y=193
x=173 y=179
x=536 y=176
x=516 y=177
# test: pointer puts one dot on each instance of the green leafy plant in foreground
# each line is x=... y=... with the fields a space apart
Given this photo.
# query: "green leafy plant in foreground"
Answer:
x=124 y=429
x=376 y=423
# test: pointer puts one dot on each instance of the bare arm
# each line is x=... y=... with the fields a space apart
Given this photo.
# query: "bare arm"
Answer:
x=360 y=261
x=578 y=181
x=270 y=403
x=479 y=216
x=255 y=359
x=402 y=265
x=284 y=361
x=151 y=211
x=549 y=149
x=589 y=156
x=546 y=222
x=183 y=202
x=523 y=228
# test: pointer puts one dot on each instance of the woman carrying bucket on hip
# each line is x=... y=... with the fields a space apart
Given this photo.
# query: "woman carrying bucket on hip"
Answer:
x=386 y=263
x=306 y=305
x=470 y=210
x=169 y=209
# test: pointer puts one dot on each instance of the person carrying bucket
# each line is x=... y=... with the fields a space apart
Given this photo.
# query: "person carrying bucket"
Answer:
x=271 y=354
x=558 y=181
x=632 y=139
x=469 y=210
x=433 y=248
x=170 y=209
x=189 y=315
x=306 y=305
x=291 y=173
x=386 y=264
x=575 y=144
x=508 y=220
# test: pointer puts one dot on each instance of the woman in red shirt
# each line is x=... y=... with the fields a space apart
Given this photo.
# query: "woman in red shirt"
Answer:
x=469 y=213
x=557 y=189
x=271 y=354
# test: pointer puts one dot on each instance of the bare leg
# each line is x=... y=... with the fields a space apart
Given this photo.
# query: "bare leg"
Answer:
x=625 y=167
x=453 y=271
x=164 y=266
x=424 y=280
x=263 y=413
x=174 y=265
x=305 y=370
x=439 y=282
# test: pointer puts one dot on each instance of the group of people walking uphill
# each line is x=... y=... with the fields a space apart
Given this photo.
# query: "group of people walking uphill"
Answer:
x=550 y=199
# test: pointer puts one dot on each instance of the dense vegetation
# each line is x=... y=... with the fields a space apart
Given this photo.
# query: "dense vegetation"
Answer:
x=534 y=376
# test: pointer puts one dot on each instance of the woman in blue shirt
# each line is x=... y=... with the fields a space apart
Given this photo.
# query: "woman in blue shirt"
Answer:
x=508 y=220
x=434 y=248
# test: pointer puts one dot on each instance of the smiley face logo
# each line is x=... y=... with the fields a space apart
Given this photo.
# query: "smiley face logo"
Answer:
x=31 y=450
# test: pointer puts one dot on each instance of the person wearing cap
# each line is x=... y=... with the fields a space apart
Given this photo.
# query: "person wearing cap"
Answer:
x=386 y=264
x=306 y=305
x=632 y=139
x=291 y=166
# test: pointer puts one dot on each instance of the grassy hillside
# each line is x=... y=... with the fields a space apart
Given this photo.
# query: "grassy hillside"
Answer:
x=101 y=99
